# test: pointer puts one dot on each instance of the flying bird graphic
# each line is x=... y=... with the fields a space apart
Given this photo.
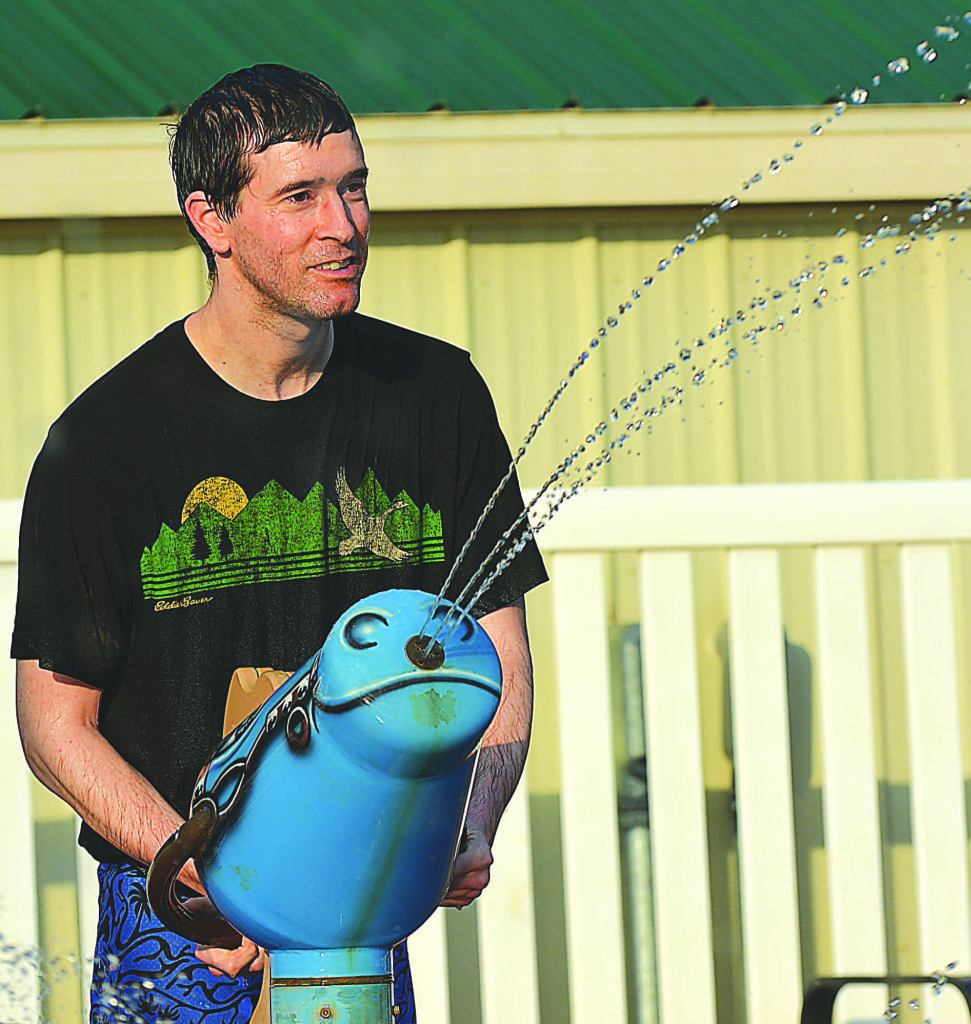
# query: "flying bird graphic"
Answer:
x=367 y=531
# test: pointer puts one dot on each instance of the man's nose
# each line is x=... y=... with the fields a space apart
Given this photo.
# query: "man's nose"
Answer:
x=334 y=219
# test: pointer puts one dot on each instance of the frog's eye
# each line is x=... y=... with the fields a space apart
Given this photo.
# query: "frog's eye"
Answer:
x=363 y=630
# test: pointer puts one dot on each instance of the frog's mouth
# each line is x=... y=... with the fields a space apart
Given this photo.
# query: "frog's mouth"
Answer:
x=411 y=678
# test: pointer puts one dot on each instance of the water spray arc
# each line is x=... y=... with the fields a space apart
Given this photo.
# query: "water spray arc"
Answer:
x=712 y=217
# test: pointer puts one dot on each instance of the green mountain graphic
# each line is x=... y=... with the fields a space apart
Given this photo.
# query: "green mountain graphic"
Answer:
x=279 y=537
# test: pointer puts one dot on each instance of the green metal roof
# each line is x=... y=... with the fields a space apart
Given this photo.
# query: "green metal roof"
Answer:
x=142 y=58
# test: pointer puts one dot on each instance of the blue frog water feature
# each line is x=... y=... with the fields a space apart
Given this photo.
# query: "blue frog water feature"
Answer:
x=324 y=826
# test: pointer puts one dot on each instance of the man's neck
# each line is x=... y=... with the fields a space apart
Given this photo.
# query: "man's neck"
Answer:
x=267 y=357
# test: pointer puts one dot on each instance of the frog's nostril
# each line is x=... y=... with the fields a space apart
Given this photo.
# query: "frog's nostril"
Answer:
x=425 y=653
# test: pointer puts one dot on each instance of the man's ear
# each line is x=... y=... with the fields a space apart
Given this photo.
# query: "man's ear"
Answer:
x=207 y=222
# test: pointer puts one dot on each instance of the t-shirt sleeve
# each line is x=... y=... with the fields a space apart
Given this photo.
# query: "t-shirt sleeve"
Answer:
x=486 y=460
x=71 y=608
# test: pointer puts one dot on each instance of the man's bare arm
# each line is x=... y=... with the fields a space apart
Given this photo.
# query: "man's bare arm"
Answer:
x=58 y=720
x=503 y=755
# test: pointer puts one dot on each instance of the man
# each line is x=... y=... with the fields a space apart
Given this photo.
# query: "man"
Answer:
x=218 y=499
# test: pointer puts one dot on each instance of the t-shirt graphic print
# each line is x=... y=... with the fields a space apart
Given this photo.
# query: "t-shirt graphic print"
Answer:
x=227 y=539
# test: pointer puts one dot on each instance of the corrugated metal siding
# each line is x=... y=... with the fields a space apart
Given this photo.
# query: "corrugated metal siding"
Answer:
x=104 y=58
x=872 y=385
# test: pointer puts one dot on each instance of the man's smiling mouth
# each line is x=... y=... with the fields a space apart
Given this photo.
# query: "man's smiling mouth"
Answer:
x=335 y=264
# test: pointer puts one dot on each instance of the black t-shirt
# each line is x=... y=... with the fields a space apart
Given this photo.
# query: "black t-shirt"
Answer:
x=175 y=529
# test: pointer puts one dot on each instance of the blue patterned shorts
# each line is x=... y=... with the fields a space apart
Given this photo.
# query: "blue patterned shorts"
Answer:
x=144 y=974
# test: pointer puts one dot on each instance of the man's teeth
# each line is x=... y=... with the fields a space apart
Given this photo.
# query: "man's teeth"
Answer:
x=334 y=265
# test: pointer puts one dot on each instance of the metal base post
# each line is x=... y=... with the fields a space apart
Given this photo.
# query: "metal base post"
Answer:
x=349 y=986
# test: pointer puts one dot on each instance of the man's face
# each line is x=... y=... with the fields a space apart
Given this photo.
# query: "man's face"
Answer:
x=299 y=237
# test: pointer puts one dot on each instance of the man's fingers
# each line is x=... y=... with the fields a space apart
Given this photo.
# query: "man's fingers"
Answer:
x=246 y=957
x=470 y=872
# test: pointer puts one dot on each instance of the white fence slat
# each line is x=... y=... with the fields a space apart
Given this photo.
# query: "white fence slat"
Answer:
x=507 y=933
x=938 y=818
x=763 y=781
x=850 y=803
x=591 y=843
x=18 y=909
x=9 y=531
x=676 y=790
x=427 y=952
x=86 y=872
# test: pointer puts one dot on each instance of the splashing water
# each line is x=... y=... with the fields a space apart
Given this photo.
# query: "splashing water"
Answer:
x=857 y=96
x=519 y=534
x=30 y=983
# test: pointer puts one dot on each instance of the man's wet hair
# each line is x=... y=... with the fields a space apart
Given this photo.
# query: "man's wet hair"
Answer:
x=242 y=114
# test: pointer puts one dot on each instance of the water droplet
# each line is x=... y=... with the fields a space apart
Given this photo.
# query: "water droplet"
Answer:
x=732 y=353
x=859 y=95
x=931 y=55
x=691 y=239
x=894 y=1003
x=952 y=965
x=902 y=247
x=823 y=293
x=947 y=32
x=967 y=17
x=663 y=265
x=677 y=251
x=685 y=354
x=698 y=377
x=788 y=157
x=914 y=1005
x=839 y=108
x=797 y=144
x=866 y=272
x=817 y=129
x=859 y=216
x=730 y=203
x=841 y=232
x=888 y=231
x=875 y=81
x=922 y=48
x=797 y=310
x=845 y=281
x=899 y=66
x=867 y=242
x=775 y=167
x=647 y=282
x=612 y=322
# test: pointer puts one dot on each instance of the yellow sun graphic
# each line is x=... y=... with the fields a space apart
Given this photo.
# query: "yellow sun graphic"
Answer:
x=219 y=493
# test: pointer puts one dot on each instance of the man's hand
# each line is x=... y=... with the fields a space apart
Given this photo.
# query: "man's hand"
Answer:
x=502 y=756
x=470 y=872
x=247 y=956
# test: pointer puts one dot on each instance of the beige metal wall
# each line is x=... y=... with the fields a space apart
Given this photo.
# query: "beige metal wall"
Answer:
x=872 y=385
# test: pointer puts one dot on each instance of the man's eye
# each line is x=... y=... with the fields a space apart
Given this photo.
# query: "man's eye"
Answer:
x=355 y=188
x=299 y=197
